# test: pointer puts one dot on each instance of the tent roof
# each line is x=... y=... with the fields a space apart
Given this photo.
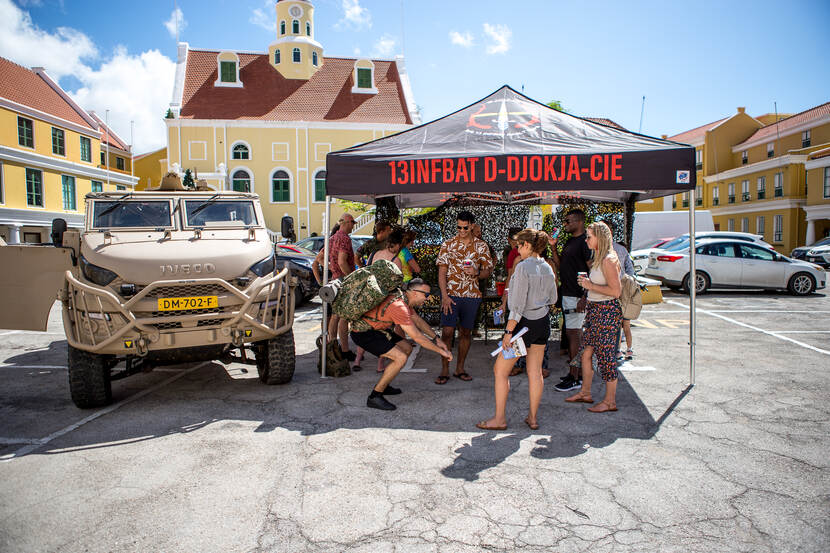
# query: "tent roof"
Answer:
x=507 y=148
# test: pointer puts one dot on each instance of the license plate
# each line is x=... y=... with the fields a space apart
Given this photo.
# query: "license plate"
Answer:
x=652 y=262
x=193 y=302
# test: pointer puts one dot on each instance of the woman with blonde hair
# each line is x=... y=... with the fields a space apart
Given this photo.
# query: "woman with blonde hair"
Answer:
x=532 y=292
x=602 y=318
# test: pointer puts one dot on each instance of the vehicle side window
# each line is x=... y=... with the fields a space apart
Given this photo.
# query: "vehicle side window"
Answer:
x=744 y=238
x=754 y=252
x=720 y=250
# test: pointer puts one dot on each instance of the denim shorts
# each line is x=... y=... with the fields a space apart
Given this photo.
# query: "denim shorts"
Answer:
x=463 y=313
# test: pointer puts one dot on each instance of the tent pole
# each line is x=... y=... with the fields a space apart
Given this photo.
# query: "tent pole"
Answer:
x=692 y=291
x=325 y=322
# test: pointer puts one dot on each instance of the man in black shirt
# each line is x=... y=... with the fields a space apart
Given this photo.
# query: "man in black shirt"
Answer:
x=575 y=258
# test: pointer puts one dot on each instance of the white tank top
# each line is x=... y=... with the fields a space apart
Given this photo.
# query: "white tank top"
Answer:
x=597 y=277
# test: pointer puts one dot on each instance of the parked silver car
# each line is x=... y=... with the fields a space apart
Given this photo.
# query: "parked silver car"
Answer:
x=641 y=257
x=734 y=264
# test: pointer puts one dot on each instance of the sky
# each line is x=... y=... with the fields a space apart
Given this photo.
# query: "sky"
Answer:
x=694 y=61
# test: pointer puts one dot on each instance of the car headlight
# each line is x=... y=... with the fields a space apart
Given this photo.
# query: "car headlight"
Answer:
x=264 y=267
x=96 y=274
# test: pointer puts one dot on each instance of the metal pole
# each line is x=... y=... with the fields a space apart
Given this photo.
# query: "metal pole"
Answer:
x=692 y=292
x=325 y=322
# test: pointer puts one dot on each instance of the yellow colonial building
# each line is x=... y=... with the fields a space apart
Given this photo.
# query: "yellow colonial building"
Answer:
x=50 y=155
x=150 y=168
x=264 y=121
x=764 y=175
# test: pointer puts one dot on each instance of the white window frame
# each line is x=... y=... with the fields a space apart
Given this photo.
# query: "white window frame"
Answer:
x=219 y=82
x=296 y=50
x=777 y=228
x=826 y=190
x=315 y=59
x=2 y=187
x=731 y=189
x=42 y=188
x=238 y=168
x=716 y=194
x=770 y=149
x=745 y=224
x=92 y=182
x=74 y=192
x=730 y=225
x=52 y=141
x=355 y=88
x=806 y=136
x=291 y=183
x=760 y=223
x=314 y=186
x=321 y=148
x=34 y=138
x=283 y=27
x=744 y=157
x=299 y=27
x=280 y=159
x=277 y=53
x=240 y=143
x=745 y=186
x=308 y=28
x=190 y=144
x=778 y=184
x=81 y=149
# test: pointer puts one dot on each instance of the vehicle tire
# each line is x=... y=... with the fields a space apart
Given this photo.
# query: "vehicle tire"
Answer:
x=89 y=379
x=702 y=283
x=275 y=359
x=801 y=284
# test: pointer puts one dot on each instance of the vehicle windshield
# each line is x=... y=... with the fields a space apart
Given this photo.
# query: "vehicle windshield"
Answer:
x=219 y=213
x=822 y=242
x=293 y=248
x=131 y=214
x=679 y=241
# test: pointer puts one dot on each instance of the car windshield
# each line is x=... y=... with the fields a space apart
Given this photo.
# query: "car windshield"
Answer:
x=293 y=248
x=131 y=214
x=680 y=240
x=219 y=213
x=823 y=242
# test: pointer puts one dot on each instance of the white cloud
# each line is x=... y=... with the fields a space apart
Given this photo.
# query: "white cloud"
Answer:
x=354 y=17
x=464 y=40
x=62 y=53
x=132 y=87
x=356 y=51
x=501 y=35
x=384 y=47
x=176 y=19
x=265 y=17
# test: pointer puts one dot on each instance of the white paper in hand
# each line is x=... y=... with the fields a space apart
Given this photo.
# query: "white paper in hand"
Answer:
x=513 y=341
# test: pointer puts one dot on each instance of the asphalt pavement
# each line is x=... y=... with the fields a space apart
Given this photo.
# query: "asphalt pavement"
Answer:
x=203 y=457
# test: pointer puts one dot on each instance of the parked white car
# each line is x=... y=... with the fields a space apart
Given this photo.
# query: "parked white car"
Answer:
x=819 y=255
x=641 y=257
x=735 y=264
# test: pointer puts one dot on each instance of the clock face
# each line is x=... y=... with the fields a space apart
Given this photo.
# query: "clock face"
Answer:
x=295 y=11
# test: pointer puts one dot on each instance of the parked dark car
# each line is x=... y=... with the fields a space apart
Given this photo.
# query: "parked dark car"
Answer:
x=300 y=260
x=315 y=243
x=801 y=253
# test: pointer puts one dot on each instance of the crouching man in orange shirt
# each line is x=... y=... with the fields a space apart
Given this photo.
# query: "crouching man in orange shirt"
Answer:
x=381 y=340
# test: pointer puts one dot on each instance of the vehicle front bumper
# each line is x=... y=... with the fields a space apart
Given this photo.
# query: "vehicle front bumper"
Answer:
x=99 y=321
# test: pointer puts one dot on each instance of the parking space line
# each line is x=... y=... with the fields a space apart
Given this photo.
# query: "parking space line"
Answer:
x=106 y=410
x=755 y=328
x=14 y=441
x=801 y=331
x=33 y=367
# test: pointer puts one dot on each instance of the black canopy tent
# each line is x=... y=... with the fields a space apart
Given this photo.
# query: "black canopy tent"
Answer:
x=509 y=148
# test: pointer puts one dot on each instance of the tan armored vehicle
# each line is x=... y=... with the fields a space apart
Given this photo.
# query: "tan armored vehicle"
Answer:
x=156 y=277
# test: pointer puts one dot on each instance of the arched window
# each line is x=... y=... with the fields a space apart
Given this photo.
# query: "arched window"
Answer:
x=320 y=186
x=276 y=57
x=280 y=187
x=308 y=28
x=314 y=58
x=282 y=27
x=241 y=181
x=295 y=26
x=296 y=55
x=240 y=151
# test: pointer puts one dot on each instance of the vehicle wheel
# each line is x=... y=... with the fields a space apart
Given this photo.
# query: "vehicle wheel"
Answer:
x=299 y=296
x=89 y=379
x=801 y=284
x=702 y=283
x=275 y=359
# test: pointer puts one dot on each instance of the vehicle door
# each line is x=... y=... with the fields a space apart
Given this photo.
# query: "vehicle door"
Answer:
x=721 y=262
x=760 y=269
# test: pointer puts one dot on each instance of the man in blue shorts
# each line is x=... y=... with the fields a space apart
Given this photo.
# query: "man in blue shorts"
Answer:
x=462 y=261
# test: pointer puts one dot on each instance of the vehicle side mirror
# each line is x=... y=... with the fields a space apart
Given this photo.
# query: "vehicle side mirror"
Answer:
x=58 y=228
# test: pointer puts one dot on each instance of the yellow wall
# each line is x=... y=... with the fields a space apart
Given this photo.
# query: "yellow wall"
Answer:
x=149 y=170
x=113 y=154
x=43 y=139
x=794 y=226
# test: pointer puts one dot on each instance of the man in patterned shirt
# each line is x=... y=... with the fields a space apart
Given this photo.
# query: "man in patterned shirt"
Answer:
x=462 y=261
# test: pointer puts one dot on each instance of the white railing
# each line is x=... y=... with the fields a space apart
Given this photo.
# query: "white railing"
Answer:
x=364 y=220
x=275 y=237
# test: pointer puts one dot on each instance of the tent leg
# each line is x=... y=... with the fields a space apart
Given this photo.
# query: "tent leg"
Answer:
x=325 y=321
x=692 y=292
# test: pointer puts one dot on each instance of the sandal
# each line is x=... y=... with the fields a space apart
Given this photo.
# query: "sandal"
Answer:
x=579 y=398
x=483 y=425
x=441 y=380
x=533 y=426
x=463 y=376
x=601 y=407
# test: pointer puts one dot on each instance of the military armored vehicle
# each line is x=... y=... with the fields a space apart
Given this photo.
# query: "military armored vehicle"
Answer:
x=155 y=277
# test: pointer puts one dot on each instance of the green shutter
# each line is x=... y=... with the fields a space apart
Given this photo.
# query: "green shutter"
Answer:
x=228 y=69
x=364 y=78
x=86 y=149
x=68 y=186
x=25 y=132
x=97 y=186
x=34 y=187
x=320 y=187
x=58 y=145
x=280 y=185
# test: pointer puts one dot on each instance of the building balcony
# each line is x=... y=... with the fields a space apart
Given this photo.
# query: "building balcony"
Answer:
x=685 y=203
x=779 y=192
x=731 y=199
x=715 y=201
x=762 y=194
x=699 y=201
x=745 y=197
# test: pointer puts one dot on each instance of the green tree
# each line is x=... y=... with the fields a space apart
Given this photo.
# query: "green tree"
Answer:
x=557 y=105
x=169 y=114
x=188 y=181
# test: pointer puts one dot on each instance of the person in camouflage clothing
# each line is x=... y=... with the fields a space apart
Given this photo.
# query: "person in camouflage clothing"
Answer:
x=377 y=242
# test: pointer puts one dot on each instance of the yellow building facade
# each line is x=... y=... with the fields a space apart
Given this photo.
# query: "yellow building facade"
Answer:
x=265 y=121
x=50 y=152
x=149 y=168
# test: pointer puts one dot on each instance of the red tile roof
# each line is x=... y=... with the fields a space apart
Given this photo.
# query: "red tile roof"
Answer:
x=108 y=135
x=267 y=95
x=697 y=134
x=24 y=86
x=785 y=124
x=606 y=122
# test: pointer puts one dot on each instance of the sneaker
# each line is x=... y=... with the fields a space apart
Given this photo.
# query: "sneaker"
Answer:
x=379 y=402
x=568 y=384
x=391 y=391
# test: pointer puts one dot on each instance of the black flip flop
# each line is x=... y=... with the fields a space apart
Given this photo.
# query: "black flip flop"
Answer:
x=461 y=376
x=441 y=380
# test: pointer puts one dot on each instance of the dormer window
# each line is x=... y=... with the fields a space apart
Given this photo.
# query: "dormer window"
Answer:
x=227 y=68
x=314 y=58
x=308 y=28
x=282 y=28
x=295 y=26
x=364 y=77
x=296 y=56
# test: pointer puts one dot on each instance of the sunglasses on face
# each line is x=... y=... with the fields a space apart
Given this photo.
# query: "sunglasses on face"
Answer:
x=459 y=227
x=426 y=294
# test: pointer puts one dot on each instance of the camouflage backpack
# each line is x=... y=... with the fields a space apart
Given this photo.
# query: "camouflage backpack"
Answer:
x=365 y=288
